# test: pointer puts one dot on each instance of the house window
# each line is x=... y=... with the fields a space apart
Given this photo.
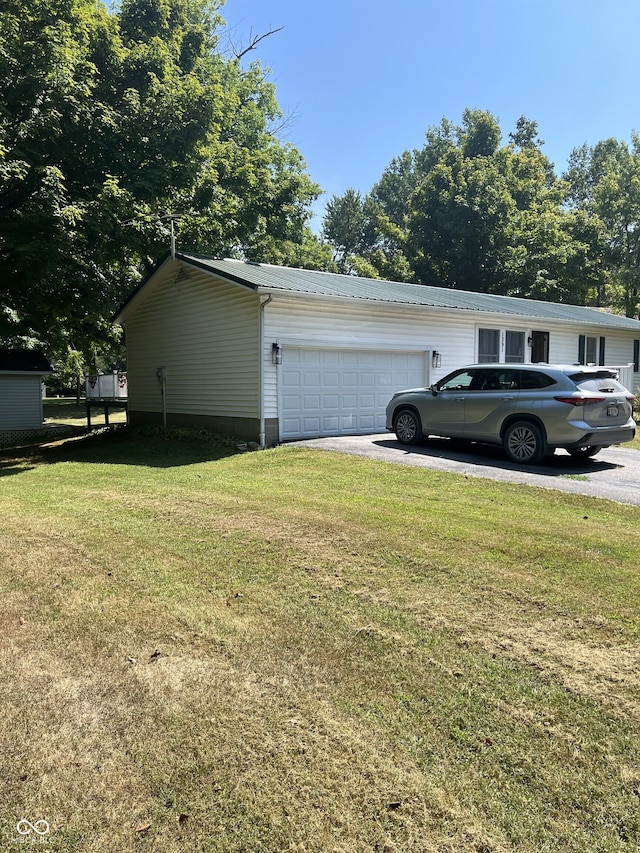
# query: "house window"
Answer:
x=591 y=350
x=500 y=345
x=488 y=345
x=514 y=347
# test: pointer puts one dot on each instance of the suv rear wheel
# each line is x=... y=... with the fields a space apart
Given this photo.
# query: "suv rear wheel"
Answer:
x=524 y=443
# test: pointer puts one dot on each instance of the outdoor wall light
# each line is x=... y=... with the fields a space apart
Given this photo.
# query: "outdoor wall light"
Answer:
x=530 y=341
x=276 y=353
x=436 y=358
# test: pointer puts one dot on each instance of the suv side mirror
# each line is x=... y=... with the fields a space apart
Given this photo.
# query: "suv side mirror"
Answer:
x=434 y=389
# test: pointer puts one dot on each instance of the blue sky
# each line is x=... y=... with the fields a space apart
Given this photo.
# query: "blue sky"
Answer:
x=362 y=80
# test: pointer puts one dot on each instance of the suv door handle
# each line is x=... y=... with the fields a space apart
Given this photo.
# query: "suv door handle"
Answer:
x=508 y=397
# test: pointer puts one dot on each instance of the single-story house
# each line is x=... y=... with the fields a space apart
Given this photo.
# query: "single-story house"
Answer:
x=21 y=374
x=270 y=353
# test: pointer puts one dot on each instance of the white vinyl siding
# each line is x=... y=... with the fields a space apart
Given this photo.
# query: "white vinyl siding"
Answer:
x=20 y=402
x=204 y=332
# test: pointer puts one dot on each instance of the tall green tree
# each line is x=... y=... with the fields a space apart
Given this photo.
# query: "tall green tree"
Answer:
x=469 y=212
x=604 y=190
x=489 y=217
x=110 y=121
x=460 y=213
x=344 y=226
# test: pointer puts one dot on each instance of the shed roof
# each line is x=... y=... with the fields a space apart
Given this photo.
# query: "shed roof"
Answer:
x=24 y=361
x=268 y=278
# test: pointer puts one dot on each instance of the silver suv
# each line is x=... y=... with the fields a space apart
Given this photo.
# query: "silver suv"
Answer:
x=530 y=409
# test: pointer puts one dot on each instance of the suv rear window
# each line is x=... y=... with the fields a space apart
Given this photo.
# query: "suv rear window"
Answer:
x=581 y=376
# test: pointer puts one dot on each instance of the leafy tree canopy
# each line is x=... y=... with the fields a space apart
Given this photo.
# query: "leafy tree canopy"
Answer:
x=469 y=212
x=109 y=121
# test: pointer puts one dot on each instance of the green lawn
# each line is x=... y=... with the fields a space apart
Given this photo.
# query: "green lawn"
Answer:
x=291 y=650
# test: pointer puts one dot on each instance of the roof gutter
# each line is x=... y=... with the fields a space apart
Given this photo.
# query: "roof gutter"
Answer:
x=261 y=370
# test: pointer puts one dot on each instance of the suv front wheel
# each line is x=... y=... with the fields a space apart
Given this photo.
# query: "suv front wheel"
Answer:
x=524 y=443
x=407 y=427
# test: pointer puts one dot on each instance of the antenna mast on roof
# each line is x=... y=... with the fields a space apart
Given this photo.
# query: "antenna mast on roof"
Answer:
x=172 y=217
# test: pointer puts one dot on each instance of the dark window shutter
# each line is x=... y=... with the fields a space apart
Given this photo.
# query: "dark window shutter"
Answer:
x=582 y=347
x=601 y=360
x=636 y=355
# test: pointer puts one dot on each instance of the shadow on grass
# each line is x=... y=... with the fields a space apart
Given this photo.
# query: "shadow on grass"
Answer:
x=122 y=445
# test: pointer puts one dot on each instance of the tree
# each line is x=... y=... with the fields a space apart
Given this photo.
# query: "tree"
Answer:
x=344 y=227
x=465 y=211
x=109 y=121
x=604 y=190
x=462 y=215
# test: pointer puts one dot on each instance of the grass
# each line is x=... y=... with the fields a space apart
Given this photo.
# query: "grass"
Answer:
x=292 y=650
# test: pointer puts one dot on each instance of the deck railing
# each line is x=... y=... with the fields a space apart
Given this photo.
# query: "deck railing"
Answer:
x=106 y=386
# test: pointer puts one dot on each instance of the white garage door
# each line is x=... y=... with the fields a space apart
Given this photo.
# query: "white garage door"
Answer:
x=334 y=392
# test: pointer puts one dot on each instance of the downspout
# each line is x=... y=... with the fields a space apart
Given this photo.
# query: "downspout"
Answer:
x=263 y=437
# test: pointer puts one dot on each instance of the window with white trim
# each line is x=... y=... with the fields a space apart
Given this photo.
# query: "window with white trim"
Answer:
x=500 y=345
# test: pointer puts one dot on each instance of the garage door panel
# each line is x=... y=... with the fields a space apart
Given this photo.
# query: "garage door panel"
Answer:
x=330 y=379
x=330 y=401
x=350 y=401
x=292 y=378
x=349 y=359
x=331 y=424
x=311 y=379
x=349 y=379
x=370 y=423
x=328 y=392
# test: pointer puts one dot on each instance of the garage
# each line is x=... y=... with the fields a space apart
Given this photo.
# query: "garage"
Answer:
x=342 y=391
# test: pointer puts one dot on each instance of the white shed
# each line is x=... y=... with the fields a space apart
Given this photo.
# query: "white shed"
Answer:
x=271 y=353
x=21 y=375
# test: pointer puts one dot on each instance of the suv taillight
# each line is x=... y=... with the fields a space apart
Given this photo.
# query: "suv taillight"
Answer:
x=580 y=401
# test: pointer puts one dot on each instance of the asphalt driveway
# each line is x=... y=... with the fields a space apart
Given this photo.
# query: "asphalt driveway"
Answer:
x=613 y=474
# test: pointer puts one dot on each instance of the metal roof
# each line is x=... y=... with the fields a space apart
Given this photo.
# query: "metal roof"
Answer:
x=267 y=278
